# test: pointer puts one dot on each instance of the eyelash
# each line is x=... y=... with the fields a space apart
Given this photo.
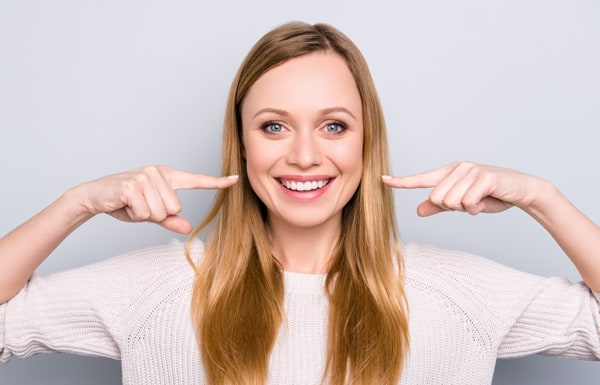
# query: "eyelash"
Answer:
x=267 y=125
x=342 y=127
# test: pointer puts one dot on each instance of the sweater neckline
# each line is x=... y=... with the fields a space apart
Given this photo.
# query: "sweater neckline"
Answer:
x=304 y=283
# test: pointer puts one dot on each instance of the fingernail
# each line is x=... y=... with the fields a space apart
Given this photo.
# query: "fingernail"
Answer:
x=386 y=177
x=233 y=176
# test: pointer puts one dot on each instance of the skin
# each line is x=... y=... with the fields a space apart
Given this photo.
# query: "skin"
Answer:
x=303 y=229
x=314 y=133
x=141 y=195
x=474 y=188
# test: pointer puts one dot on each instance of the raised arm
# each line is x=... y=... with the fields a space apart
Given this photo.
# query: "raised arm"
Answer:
x=474 y=188
x=146 y=194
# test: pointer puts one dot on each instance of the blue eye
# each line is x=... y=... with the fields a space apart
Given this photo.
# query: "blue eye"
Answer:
x=334 y=127
x=273 y=127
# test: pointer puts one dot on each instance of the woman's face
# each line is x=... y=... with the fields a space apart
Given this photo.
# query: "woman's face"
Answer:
x=303 y=136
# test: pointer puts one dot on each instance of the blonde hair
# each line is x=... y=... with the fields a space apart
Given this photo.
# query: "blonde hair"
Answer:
x=237 y=300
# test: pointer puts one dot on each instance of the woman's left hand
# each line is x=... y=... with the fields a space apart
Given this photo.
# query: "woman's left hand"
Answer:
x=472 y=188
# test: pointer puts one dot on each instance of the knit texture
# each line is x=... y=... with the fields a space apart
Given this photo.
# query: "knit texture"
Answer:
x=465 y=312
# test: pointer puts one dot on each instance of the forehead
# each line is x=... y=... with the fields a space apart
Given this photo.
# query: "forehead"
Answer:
x=308 y=83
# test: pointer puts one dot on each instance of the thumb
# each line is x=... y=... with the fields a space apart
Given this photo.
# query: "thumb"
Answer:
x=177 y=224
x=426 y=209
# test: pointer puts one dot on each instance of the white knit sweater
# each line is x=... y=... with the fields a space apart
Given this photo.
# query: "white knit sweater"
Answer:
x=465 y=312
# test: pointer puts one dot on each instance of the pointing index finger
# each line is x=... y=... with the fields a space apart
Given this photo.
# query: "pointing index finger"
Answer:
x=183 y=180
x=425 y=179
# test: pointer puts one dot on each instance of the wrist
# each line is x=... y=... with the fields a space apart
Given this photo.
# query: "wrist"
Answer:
x=547 y=202
x=73 y=206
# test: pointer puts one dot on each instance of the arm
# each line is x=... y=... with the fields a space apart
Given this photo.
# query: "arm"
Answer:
x=476 y=188
x=26 y=247
x=574 y=232
x=146 y=194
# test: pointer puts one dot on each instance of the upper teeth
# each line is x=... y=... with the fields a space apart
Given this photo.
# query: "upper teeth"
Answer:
x=304 y=186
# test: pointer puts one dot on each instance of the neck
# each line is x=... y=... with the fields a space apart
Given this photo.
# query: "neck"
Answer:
x=304 y=249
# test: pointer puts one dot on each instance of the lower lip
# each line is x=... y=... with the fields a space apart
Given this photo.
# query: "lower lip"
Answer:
x=306 y=195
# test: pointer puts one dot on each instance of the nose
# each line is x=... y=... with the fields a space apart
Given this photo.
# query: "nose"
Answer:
x=304 y=151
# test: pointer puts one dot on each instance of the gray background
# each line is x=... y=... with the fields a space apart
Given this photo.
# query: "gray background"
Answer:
x=89 y=88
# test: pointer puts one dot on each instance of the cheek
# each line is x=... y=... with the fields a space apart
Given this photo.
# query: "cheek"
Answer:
x=250 y=155
x=254 y=178
x=349 y=158
x=254 y=167
x=257 y=158
x=258 y=164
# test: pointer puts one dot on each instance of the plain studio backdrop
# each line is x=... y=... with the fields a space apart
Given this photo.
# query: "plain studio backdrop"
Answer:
x=89 y=88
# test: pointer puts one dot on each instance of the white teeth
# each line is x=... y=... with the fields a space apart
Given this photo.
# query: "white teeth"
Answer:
x=304 y=186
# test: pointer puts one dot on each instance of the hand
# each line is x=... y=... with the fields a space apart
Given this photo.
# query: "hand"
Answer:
x=472 y=188
x=146 y=194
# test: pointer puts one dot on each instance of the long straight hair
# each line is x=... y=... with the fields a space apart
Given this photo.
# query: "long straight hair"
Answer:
x=237 y=299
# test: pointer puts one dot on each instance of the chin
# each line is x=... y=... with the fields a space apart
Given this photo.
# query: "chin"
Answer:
x=305 y=220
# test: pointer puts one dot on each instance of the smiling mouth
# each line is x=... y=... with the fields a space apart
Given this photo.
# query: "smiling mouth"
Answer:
x=304 y=186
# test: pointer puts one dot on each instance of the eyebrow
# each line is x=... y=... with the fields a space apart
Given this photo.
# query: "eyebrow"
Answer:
x=324 y=111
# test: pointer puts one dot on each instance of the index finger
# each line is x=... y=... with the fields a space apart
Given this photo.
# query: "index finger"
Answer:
x=183 y=180
x=425 y=179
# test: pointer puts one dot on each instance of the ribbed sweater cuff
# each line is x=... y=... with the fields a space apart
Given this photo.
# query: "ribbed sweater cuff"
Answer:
x=3 y=356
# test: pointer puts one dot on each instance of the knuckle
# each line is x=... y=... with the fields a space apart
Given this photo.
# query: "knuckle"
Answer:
x=150 y=170
x=162 y=169
x=435 y=198
x=473 y=210
x=454 y=205
x=128 y=188
x=176 y=208
x=173 y=208
x=470 y=205
x=466 y=165
x=158 y=217
x=139 y=214
x=469 y=201
x=488 y=177
x=141 y=178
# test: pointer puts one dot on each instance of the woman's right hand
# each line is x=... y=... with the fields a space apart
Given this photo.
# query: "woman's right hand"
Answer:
x=147 y=194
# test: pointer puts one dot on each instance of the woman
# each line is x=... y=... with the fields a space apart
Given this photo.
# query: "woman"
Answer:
x=302 y=279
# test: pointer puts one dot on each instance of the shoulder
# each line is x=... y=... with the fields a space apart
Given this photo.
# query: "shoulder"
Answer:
x=158 y=271
x=157 y=315
x=466 y=280
x=151 y=261
x=474 y=297
x=156 y=282
x=133 y=277
x=424 y=261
